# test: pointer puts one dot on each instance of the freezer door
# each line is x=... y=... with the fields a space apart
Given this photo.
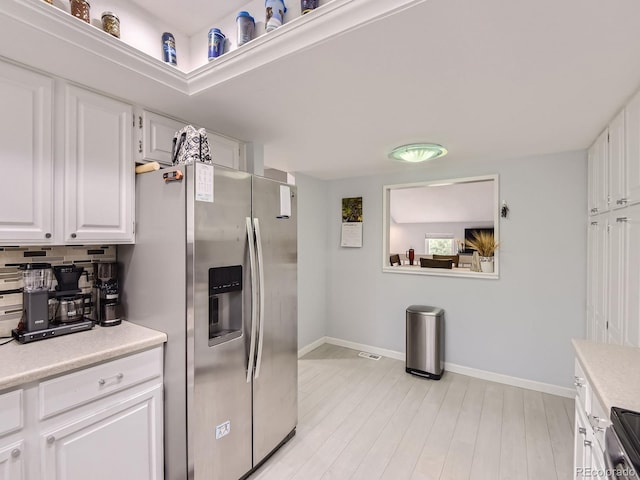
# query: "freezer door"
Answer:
x=219 y=396
x=275 y=384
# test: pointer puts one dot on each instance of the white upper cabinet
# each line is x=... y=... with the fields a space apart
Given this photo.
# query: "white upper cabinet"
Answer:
x=155 y=143
x=617 y=194
x=98 y=170
x=632 y=151
x=631 y=222
x=598 y=157
x=224 y=151
x=156 y=137
x=26 y=183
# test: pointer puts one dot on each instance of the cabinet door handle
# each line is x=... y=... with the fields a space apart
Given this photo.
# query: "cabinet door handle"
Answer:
x=51 y=439
x=15 y=453
x=117 y=378
x=47 y=235
x=622 y=219
x=73 y=235
x=622 y=201
x=594 y=210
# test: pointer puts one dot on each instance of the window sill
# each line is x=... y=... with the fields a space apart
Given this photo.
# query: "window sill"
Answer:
x=440 y=272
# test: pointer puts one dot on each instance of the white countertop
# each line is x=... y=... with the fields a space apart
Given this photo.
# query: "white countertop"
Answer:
x=20 y=364
x=612 y=371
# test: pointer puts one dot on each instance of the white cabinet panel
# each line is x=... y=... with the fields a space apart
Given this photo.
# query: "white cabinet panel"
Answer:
x=11 y=417
x=617 y=164
x=119 y=442
x=599 y=175
x=26 y=183
x=581 y=456
x=98 y=201
x=597 y=279
x=632 y=286
x=616 y=279
x=632 y=151
x=11 y=461
x=224 y=151
x=157 y=132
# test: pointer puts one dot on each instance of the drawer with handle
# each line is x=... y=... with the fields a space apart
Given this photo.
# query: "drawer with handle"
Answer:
x=10 y=412
x=598 y=419
x=583 y=393
x=72 y=390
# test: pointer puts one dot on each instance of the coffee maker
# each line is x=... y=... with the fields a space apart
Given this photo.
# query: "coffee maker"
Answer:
x=41 y=318
x=36 y=279
x=107 y=308
x=68 y=301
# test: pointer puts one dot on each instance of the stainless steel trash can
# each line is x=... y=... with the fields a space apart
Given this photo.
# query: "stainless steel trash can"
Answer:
x=425 y=341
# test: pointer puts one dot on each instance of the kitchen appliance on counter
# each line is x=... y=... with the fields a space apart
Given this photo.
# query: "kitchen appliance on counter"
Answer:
x=106 y=294
x=215 y=267
x=51 y=314
x=622 y=445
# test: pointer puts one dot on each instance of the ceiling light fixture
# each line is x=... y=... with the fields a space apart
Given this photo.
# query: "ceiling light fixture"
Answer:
x=418 y=152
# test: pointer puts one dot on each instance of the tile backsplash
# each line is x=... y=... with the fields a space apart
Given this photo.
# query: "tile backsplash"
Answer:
x=11 y=279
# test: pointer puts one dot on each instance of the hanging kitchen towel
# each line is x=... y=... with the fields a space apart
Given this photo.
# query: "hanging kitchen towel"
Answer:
x=191 y=145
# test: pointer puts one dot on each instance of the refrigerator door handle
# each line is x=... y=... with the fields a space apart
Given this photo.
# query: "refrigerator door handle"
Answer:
x=256 y=224
x=254 y=298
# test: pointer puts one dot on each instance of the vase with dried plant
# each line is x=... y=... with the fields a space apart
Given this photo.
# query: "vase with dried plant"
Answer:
x=485 y=244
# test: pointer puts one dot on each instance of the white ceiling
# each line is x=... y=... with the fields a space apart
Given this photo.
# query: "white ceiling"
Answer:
x=463 y=202
x=487 y=79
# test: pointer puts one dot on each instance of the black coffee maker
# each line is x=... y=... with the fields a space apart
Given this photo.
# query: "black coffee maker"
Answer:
x=49 y=314
x=106 y=294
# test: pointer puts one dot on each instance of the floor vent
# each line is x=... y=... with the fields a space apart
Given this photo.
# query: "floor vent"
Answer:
x=370 y=356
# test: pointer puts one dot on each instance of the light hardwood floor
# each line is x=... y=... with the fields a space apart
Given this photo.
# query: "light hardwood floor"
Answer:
x=368 y=419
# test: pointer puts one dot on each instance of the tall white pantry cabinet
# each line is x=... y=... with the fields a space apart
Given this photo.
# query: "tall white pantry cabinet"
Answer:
x=613 y=251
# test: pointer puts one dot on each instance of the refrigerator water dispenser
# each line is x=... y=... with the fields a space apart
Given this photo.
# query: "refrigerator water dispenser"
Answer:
x=225 y=304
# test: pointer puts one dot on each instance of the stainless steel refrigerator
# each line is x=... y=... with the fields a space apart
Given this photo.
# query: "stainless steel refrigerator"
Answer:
x=215 y=267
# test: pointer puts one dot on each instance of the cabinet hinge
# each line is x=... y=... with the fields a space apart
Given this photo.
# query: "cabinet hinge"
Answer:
x=140 y=121
x=140 y=146
x=607 y=325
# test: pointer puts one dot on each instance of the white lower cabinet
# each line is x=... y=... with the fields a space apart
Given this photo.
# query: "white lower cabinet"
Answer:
x=11 y=460
x=103 y=422
x=590 y=424
x=124 y=440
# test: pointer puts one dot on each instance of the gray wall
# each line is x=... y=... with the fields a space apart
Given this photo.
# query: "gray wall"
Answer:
x=519 y=325
x=312 y=259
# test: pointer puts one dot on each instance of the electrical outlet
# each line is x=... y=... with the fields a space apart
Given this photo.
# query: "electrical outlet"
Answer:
x=223 y=429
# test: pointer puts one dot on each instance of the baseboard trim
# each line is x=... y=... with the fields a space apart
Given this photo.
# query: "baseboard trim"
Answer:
x=513 y=381
x=451 y=367
x=312 y=346
x=367 y=348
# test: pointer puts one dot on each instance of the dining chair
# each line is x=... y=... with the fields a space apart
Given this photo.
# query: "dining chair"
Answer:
x=454 y=258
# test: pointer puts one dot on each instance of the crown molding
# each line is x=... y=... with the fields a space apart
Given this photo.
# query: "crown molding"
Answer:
x=51 y=40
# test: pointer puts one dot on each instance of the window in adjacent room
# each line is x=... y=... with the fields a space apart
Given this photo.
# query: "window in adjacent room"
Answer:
x=439 y=244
